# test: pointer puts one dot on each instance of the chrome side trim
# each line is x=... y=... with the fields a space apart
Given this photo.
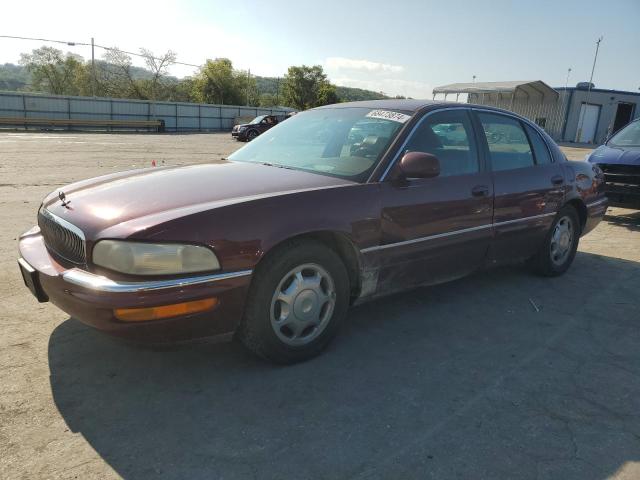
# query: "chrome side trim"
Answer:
x=597 y=202
x=455 y=232
x=99 y=283
x=62 y=222
x=424 y=239
x=524 y=219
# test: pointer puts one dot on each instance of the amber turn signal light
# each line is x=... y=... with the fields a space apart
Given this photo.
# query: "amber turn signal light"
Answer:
x=166 y=311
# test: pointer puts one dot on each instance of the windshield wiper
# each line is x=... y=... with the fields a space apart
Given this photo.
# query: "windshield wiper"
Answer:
x=277 y=165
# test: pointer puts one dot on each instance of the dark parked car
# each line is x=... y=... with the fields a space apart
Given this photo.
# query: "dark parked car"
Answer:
x=619 y=159
x=335 y=206
x=248 y=131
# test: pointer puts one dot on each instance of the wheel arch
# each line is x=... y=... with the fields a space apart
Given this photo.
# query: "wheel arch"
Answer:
x=340 y=243
x=581 y=209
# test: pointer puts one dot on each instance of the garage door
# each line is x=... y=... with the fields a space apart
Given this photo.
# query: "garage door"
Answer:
x=587 y=122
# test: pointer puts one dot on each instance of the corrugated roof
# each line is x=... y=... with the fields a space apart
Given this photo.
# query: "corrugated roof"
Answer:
x=527 y=87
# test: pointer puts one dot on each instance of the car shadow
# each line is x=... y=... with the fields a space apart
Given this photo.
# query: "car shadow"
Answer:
x=499 y=375
x=629 y=220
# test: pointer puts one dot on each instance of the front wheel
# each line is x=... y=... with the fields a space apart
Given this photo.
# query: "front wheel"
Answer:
x=560 y=245
x=297 y=300
x=251 y=134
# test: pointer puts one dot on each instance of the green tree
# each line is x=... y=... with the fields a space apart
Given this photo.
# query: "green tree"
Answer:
x=218 y=82
x=268 y=100
x=157 y=86
x=307 y=87
x=52 y=71
x=117 y=78
x=181 y=90
x=327 y=94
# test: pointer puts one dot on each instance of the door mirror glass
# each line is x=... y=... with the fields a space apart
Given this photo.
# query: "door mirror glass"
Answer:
x=419 y=165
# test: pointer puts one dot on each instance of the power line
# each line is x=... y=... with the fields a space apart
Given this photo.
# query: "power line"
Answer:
x=73 y=44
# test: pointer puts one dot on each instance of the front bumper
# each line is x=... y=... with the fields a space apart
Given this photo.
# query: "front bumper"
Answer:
x=623 y=195
x=595 y=213
x=622 y=184
x=239 y=135
x=92 y=298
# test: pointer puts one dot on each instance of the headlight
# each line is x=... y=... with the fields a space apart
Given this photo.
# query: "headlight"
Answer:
x=153 y=258
x=242 y=129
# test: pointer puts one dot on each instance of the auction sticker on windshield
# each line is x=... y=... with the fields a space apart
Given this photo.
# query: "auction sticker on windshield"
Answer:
x=388 y=115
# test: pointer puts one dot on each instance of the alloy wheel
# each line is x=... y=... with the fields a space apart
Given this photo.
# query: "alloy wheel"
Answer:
x=561 y=240
x=302 y=304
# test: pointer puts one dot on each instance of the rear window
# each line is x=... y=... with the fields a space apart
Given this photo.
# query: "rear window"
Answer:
x=540 y=149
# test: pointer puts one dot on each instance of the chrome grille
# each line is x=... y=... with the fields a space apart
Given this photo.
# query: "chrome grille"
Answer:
x=60 y=237
x=623 y=174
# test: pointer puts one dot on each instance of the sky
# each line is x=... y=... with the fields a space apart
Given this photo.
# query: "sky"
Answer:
x=401 y=47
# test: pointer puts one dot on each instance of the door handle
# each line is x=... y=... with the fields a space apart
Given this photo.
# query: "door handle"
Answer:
x=480 y=191
x=557 y=180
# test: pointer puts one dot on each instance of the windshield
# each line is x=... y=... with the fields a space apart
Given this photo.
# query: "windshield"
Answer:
x=341 y=142
x=257 y=120
x=629 y=136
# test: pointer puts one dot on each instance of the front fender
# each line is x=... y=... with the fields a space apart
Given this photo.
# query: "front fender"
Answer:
x=242 y=233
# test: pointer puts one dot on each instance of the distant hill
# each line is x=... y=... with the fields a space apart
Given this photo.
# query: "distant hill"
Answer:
x=16 y=78
x=351 y=94
x=13 y=77
x=345 y=94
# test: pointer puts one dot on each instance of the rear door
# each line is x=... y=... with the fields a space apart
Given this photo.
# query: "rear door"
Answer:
x=528 y=185
x=439 y=228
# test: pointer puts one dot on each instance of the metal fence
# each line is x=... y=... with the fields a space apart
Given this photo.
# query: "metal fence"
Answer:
x=177 y=116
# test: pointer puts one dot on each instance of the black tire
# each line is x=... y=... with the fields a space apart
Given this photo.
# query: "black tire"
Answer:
x=543 y=263
x=251 y=134
x=256 y=331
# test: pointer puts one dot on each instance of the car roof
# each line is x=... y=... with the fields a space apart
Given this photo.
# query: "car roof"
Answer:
x=411 y=105
x=408 y=105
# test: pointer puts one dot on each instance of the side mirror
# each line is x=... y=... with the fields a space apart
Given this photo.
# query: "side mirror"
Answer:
x=419 y=165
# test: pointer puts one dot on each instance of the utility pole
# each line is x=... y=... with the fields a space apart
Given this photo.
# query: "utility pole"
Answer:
x=593 y=68
x=248 y=80
x=93 y=69
x=564 y=106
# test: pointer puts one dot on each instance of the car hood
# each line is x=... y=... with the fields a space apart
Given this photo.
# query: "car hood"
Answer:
x=155 y=195
x=615 y=155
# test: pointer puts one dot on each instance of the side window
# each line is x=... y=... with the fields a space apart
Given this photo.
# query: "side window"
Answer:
x=449 y=136
x=540 y=149
x=508 y=145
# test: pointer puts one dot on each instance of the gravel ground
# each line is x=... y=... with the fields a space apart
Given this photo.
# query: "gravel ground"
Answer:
x=463 y=380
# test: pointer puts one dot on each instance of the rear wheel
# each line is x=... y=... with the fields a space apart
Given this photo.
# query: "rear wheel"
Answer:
x=560 y=245
x=297 y=300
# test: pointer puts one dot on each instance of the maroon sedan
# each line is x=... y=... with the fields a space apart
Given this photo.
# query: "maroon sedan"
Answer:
x=335 y=206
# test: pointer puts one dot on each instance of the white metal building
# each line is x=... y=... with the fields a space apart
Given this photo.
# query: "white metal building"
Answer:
x=575 y=114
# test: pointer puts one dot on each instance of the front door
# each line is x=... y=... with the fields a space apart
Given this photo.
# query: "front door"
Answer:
x=528 y=185
x=438 y=228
